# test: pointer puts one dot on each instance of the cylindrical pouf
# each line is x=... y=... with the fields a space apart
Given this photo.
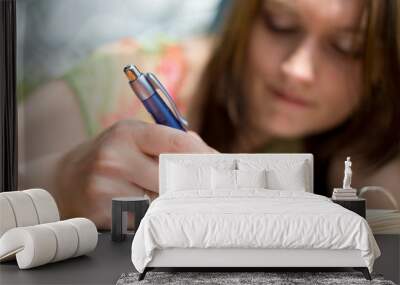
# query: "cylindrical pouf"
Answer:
x=40 y=244
x=7 y=218
x=67 y=239
x=87 y=235
x=45 y=205
x=34 y=245
x=23 y=208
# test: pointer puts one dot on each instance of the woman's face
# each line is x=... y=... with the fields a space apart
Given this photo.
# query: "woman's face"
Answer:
x=305 y=65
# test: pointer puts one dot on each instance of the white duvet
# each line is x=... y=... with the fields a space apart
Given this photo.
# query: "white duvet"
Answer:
x=250 y=218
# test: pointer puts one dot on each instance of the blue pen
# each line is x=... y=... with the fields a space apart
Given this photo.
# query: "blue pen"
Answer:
x=145 y=86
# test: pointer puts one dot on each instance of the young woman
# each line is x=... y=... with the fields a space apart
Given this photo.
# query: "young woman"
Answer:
x=308 y=77
x=283 y=76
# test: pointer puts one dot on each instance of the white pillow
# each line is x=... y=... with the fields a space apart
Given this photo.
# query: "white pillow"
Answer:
x=215 y=163
x=290 y=179
x=281 y=174
x=251 y=178
x=181 y=177
x=223 y=179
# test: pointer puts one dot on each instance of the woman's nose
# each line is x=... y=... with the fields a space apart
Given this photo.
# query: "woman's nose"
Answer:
x=299 y=65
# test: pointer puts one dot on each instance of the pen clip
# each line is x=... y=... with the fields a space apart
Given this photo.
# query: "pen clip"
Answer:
x=157 y=85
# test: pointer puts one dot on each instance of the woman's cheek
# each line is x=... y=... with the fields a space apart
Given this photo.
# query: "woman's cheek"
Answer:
x=341 y=97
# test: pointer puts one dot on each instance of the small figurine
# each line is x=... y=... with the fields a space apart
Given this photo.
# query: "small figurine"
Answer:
x=347 y=174
x=347 y=192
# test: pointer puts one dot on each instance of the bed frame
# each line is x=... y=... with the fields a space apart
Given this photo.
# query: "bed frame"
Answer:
x=249 y=259
x=234 y=259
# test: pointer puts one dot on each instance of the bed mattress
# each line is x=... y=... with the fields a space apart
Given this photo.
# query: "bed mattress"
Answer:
x=250 y=219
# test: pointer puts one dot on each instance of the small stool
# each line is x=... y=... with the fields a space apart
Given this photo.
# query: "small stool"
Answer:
x=120 y=208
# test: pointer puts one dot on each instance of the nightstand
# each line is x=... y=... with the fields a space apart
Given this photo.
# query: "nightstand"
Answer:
x=120 y=208
x=356 y=205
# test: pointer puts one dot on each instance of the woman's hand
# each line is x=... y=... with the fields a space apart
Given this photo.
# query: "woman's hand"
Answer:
x=121 y=161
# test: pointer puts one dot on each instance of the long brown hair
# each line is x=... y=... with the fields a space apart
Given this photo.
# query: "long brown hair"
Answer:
x=219 y=102
x=373 y=130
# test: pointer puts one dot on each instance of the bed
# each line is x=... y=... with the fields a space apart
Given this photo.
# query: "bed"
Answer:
x=247 y=211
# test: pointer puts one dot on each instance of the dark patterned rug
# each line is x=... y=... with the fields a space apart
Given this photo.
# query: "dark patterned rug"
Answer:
x=228 y=278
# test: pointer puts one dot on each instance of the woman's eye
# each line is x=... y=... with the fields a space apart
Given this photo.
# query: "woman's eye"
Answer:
x=348 y=48
x=279 y=26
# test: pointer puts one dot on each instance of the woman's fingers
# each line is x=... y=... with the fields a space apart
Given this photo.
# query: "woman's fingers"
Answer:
x=154 y=139
x=137 y=162
x=196 y=135
x=132 y=166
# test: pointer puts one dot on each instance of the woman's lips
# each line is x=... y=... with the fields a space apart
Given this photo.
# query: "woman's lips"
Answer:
x=291 y=99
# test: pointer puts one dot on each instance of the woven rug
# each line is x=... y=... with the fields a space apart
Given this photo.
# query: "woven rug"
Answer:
x=229 y=278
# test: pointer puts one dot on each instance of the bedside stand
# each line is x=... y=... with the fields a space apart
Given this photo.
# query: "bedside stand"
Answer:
x=356 y=205
x=120 y=208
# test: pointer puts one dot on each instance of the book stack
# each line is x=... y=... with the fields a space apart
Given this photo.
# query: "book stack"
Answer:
x=344 y=194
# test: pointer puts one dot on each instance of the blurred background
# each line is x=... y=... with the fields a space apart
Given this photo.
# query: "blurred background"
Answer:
x=54 y=35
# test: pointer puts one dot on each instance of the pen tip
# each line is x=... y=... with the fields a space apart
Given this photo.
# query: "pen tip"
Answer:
x=132 y=72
